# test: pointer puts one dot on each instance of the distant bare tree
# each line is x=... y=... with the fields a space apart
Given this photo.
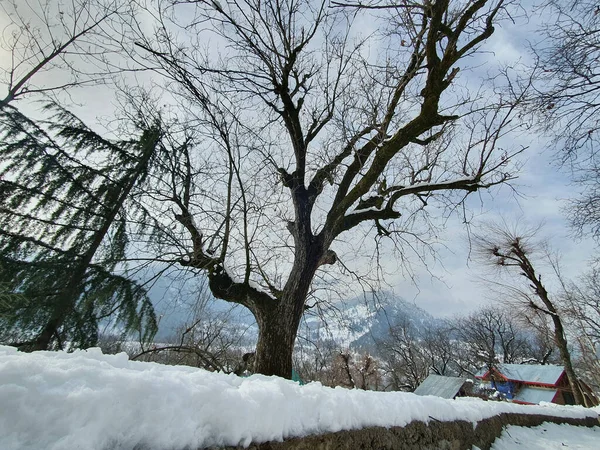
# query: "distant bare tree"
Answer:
x=567 y=100
x=583 y=308
x=492 y=335
x=542 y=346
x=568 y=67
x=212 y=340
x=511 y=252
x=314 y=360
x=411 y=352
x=343 y=374
x=356 y=370
x=405 y=361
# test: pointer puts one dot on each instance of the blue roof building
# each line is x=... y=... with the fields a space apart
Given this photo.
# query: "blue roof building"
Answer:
x=529 y=384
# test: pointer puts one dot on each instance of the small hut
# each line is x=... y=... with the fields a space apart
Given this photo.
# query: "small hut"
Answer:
x=445 y=387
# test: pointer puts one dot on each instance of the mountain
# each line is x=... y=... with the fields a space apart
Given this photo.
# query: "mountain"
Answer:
x=361 y=321
x=180 y=301
x=357 y=322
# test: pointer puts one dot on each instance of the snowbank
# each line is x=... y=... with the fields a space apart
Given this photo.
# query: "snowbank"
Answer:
x=87 y=400
x=549 y=436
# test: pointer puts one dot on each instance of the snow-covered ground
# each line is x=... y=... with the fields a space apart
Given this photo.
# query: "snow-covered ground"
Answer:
x=87 y=400
x=548 y=436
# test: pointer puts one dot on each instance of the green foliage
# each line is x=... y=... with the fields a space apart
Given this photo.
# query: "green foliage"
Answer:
x=66 y=198
x=10 y=301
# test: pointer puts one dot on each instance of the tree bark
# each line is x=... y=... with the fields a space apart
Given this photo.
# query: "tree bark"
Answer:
x=278 y=325
x=275 y=346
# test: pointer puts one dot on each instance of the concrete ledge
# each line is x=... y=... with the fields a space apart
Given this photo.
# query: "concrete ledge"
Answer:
x=456 y=435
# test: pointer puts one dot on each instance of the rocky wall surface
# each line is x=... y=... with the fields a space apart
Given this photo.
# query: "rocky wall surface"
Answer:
x=456 y=435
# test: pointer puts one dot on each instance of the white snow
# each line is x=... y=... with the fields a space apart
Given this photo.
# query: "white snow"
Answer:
x=345 y=329
x=87 y=400
x=360 y=211
x=548 y=436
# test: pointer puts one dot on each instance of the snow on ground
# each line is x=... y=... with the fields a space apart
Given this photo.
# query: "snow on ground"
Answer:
x=548 y=436
x=87 y=400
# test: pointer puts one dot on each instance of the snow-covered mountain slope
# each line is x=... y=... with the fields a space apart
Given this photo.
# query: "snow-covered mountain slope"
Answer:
x=362 y=321
x=355 y=322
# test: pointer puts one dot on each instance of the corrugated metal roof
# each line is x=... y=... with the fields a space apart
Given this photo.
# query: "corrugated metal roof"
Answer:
x=535 y=395
x=445 y=387
x=547 y=374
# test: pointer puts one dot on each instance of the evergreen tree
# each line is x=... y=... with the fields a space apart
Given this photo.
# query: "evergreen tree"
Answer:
x=65 y=199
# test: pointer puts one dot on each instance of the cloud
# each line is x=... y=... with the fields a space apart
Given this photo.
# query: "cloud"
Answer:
x=455 y=284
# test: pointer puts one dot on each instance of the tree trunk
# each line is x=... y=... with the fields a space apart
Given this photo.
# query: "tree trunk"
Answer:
x=278 y=326
x=62 y=307
x=559 y=332
x=565 y=356
x=44 y=338
x=275 y=346
x=278 y=323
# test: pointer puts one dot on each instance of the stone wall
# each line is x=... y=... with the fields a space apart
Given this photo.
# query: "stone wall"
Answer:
x=455 y=435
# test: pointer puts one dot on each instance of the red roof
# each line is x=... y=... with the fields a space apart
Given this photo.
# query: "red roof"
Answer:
x=547 y=375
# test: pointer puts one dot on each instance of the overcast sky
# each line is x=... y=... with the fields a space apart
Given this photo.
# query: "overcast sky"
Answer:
x=542 y=187
x=454 y=287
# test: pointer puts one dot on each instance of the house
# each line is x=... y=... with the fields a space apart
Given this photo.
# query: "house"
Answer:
x=445 y=387
x=531 y=384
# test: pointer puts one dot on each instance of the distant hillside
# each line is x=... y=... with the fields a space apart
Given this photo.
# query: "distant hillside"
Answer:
x=360 y=321
x=356 y=322
x=392 y=313
x=177 y=301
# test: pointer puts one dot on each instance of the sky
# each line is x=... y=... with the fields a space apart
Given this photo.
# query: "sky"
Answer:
x=450 y=284
x=539 y=198
x=459 y=284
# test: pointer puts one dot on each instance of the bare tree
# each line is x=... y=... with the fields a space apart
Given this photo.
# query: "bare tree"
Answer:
x=413 y=351
x=342 y=367
x=583 y=309
x=314 y=360
x=567 y=97
x=368 y=373
x=404 y=357
x=56 y=46
x=441 y=349
x=584 y=303
x=356 y=370
x=568 y=63
x=211 y=339
x=493 y=336
x=542 y=346
x=511 y=251
x=300 y=137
